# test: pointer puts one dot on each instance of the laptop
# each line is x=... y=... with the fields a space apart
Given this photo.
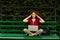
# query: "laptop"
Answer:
x=32 y=28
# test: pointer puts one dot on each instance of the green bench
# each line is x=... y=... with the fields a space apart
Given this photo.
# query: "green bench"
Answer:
x=14 y=30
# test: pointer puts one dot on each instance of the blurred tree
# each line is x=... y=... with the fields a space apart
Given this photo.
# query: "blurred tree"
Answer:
x=19 y=9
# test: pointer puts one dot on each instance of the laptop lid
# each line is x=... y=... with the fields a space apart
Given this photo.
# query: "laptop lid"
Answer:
x=32 y=28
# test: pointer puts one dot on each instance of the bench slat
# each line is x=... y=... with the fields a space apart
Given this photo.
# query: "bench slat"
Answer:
x=20 y=22
x=23 y=36
x=26 y=26
x=1 y=30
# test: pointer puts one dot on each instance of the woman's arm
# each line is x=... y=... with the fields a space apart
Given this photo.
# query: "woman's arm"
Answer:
x=41 y=20
x=25 y=20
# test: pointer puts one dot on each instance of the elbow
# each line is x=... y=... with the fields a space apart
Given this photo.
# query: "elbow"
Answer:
x=43 y=21
x=23 y=21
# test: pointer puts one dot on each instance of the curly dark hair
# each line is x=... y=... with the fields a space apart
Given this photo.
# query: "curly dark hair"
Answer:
x=35 y=12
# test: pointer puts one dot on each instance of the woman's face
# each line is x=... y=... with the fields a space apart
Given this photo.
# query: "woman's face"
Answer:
x=33 y=14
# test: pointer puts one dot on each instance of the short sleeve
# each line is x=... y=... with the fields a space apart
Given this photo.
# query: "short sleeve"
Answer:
x=39 y=20
x=28 y=19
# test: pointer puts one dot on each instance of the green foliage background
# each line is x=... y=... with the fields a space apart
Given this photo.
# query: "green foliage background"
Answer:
x=19 y=9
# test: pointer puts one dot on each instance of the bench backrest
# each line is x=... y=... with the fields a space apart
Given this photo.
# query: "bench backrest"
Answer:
x=18 y=26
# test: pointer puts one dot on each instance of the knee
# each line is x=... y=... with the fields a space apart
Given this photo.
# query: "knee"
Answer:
x=25 y=29
x=41 y=30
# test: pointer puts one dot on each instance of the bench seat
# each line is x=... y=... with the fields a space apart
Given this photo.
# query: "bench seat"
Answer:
x=24 y=36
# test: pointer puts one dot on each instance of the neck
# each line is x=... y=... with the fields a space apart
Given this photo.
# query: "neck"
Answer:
x=33 y=18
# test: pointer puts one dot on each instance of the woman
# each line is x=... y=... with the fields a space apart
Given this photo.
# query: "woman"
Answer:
x=33 y=18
